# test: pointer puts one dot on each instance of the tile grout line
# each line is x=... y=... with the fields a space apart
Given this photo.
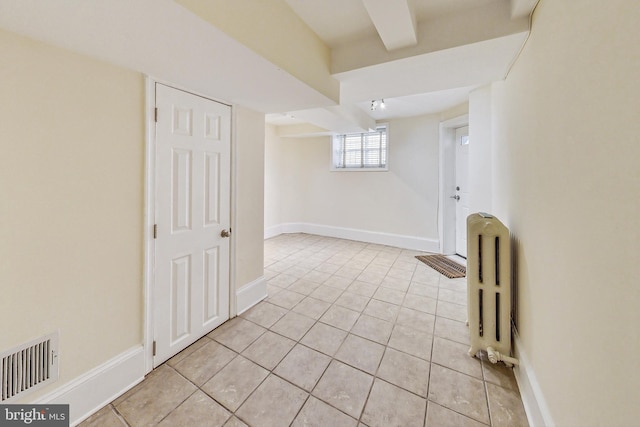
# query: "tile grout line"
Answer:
x=426 y=410
x=322 y=246
x=374 y=376
x=310 y=393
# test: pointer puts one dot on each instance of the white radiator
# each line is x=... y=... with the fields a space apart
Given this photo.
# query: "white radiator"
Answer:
x=489 y=287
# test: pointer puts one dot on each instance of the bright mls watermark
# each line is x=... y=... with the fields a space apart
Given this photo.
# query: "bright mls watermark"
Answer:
x=34 y=415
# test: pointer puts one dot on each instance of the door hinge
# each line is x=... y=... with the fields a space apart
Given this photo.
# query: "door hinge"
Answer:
x=155 y=115
x=154 y=348
x=155 y=231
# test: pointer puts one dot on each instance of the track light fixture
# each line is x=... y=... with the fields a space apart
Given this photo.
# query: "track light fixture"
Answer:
x=375 y=104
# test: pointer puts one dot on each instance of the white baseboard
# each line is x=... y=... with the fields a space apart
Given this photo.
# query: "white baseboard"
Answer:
x=251 y=294
x=532 y=398
x=91 y=391
x=273 y=231
x=380 y=238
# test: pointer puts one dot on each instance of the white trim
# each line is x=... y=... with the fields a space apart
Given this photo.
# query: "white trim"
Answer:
x=385 y=168
x=446 y=182
x=93 y=390
x=273 y=231
x=380 y=238
x=233 y=217
x=149 y=210
x=149 y=220
x=533 y=400
x=251 y=294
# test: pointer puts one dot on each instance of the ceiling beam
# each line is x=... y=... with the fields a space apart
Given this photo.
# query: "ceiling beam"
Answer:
x=474 y=64
x=471 y=26
x=262 y=26
x=395 y=21
x=338 y=119
x=162 y=39
x=302 y=130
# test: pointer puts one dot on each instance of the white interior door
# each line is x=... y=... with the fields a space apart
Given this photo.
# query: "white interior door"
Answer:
x=462 y=189
x=192 y=215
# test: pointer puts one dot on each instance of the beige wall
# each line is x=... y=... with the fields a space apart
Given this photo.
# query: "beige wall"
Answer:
x=71 y=214
x=567 y=179
x=248 y=228
x=273 y=165
x=302 y=189
x=72 y=207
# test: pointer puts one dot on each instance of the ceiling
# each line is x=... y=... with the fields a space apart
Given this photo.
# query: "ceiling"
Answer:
x=421 y=76
x=353 y=21
x=420 y=56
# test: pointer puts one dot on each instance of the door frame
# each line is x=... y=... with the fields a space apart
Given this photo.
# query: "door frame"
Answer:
x=149 y=212
x=447 y=173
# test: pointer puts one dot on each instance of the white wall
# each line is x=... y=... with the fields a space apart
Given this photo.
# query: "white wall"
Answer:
x=402 y=201
x=480 y=151
x=567 y=182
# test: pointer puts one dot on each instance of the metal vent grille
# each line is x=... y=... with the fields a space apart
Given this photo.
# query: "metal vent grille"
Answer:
x=28 y=367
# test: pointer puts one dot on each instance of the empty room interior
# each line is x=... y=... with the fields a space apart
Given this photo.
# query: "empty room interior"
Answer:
x=211 y=211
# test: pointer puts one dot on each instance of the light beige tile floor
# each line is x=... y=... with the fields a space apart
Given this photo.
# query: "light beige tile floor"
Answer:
x=352 y=334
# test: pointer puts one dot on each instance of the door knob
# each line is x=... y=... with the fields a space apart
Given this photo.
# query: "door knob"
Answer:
x=455 y=197
x=225 y=233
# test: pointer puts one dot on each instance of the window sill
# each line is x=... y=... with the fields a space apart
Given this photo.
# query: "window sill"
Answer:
x=358 y=169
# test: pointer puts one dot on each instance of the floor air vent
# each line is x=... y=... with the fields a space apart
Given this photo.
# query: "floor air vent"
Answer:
x=28 y=367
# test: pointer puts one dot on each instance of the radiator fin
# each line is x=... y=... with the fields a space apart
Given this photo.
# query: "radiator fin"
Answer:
x=479 y=263
x=480 y=314
x=497 y=319
x=28 y=367
x=497 y=260
x=514 y=281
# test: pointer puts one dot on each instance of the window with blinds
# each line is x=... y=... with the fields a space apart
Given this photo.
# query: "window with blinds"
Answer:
x=361 y=151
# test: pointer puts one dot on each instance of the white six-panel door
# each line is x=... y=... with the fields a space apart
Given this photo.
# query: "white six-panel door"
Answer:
x=462 y=189
x=192 y=212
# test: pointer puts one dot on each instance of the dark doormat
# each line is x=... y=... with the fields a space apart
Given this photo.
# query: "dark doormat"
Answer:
x=444 y=265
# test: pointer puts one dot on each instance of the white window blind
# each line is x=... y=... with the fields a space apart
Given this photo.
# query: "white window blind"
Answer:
x=361 y=150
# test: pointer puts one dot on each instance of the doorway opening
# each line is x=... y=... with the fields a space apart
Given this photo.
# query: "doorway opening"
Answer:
x=450 y=197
